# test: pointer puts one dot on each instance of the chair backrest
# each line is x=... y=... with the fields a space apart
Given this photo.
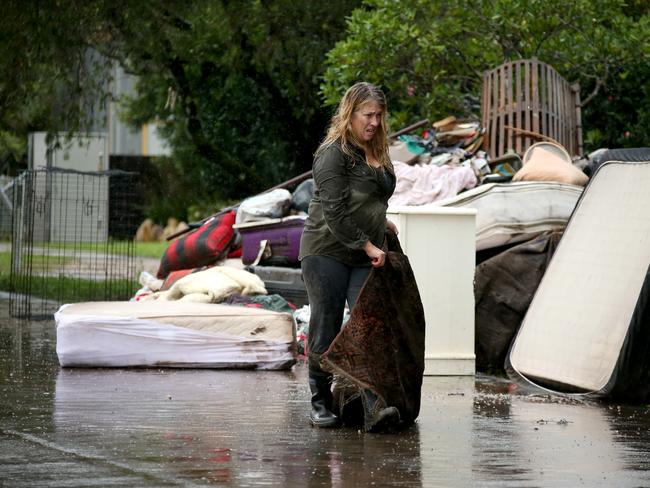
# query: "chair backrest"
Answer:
x=526 y=101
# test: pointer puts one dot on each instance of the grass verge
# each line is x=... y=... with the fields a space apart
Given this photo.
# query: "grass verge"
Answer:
x=66 y=290
x=140 y=249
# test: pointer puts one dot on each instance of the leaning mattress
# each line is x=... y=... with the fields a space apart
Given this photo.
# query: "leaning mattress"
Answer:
x=587 y=330
x=173 y=334
x=509 y=213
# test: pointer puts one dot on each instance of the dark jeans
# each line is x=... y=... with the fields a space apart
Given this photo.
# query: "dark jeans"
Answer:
x=329 y=284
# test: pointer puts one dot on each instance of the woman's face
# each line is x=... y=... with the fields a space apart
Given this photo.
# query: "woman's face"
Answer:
x=366 y=121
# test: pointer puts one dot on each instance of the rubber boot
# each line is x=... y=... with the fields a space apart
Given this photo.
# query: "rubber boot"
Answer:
x=321 y=414
x=377 y=416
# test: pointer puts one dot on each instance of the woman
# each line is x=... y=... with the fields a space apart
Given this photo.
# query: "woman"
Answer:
x=344 y=232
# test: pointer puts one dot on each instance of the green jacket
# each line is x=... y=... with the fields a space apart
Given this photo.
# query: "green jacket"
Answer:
x=348 y=207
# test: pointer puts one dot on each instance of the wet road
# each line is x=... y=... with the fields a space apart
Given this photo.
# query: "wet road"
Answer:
x=102 y=427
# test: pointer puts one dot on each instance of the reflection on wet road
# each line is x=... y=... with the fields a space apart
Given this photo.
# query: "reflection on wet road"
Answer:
x=149 y=427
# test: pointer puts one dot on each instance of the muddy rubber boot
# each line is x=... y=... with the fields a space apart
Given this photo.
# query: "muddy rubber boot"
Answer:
x=321 y=414
x=377 y=416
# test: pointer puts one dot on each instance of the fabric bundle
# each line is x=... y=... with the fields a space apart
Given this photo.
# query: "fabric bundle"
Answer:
x=421 y=184
x=381 y=348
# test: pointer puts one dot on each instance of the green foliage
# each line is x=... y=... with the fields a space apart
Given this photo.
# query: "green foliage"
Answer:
x=171 y=190
x=430 y=56
x=48 y=78
x=67 y=290
x=620 y=115
x=236 y=84
x=12 y=146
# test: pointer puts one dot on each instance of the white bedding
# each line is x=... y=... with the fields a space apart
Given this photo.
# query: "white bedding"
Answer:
x=178 y=334
x=509 y=213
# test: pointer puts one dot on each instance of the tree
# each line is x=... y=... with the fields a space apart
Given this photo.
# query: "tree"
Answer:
x=430 y=55
x=48 y=80
x=235 y=84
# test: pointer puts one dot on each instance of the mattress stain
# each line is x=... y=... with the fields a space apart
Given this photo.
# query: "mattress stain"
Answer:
x=258 y=330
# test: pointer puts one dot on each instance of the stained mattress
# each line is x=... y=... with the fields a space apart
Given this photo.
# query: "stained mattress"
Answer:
x=173 y=334
x=509 y=213
x=587 y=330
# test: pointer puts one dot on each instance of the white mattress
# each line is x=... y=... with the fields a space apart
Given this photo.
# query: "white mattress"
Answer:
x=508 y=213
x=174 y=334
x=574 y=331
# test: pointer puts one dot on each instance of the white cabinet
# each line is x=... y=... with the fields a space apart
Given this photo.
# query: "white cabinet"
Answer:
x=440 y=243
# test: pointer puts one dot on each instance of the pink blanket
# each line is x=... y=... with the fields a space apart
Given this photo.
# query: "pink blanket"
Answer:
x=417 y=185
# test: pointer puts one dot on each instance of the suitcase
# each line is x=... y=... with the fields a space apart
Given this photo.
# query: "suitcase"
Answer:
x=283 y=281
x=273 y=242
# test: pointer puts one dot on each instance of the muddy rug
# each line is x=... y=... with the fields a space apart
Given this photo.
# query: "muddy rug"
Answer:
x=380 y=351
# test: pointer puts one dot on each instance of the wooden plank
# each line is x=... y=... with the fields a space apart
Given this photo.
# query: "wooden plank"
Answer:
x=502 y=96
x=556 y=105
x=560 y=109
x=527 y=123
x=564 y=126
x=573 y=126
x=559 y=105
x=488 y=126
x=549 y=99
x=535 y=95
x=570 y=122
x=484 y=102
x=507 y=115
x=541 y=68
x=484 y=107
x=489 y=110
x=494 y=119
x=578 y=112
x=570 y=117
x=518 y=106
x=552 y=114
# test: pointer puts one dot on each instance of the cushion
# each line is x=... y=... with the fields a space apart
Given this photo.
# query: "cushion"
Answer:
x=545 y=165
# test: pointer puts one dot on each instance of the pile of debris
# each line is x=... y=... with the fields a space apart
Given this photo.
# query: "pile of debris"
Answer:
x=441 y=161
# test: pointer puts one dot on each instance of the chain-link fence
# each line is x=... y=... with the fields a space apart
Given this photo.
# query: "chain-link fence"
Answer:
x=71 y=240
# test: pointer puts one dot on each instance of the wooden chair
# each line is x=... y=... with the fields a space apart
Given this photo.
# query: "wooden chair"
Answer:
x=527 y=101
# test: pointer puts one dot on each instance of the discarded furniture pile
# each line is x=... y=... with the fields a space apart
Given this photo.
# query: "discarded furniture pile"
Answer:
x=560 y=292
x=441 y=161
x=561 y=288
x=214 y=301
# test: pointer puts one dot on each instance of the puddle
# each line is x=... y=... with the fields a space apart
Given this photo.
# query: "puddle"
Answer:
x=171 y=427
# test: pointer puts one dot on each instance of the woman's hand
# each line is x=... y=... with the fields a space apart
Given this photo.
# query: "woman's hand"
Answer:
x=376 y=255
x=391 y=227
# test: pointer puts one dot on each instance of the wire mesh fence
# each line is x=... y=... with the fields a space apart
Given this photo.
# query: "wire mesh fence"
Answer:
x=71 y=240
x=6 y=185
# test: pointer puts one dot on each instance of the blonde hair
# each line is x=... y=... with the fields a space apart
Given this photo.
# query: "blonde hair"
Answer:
x=340 y=128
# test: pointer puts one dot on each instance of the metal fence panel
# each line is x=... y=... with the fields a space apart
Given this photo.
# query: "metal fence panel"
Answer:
x=71 y=239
